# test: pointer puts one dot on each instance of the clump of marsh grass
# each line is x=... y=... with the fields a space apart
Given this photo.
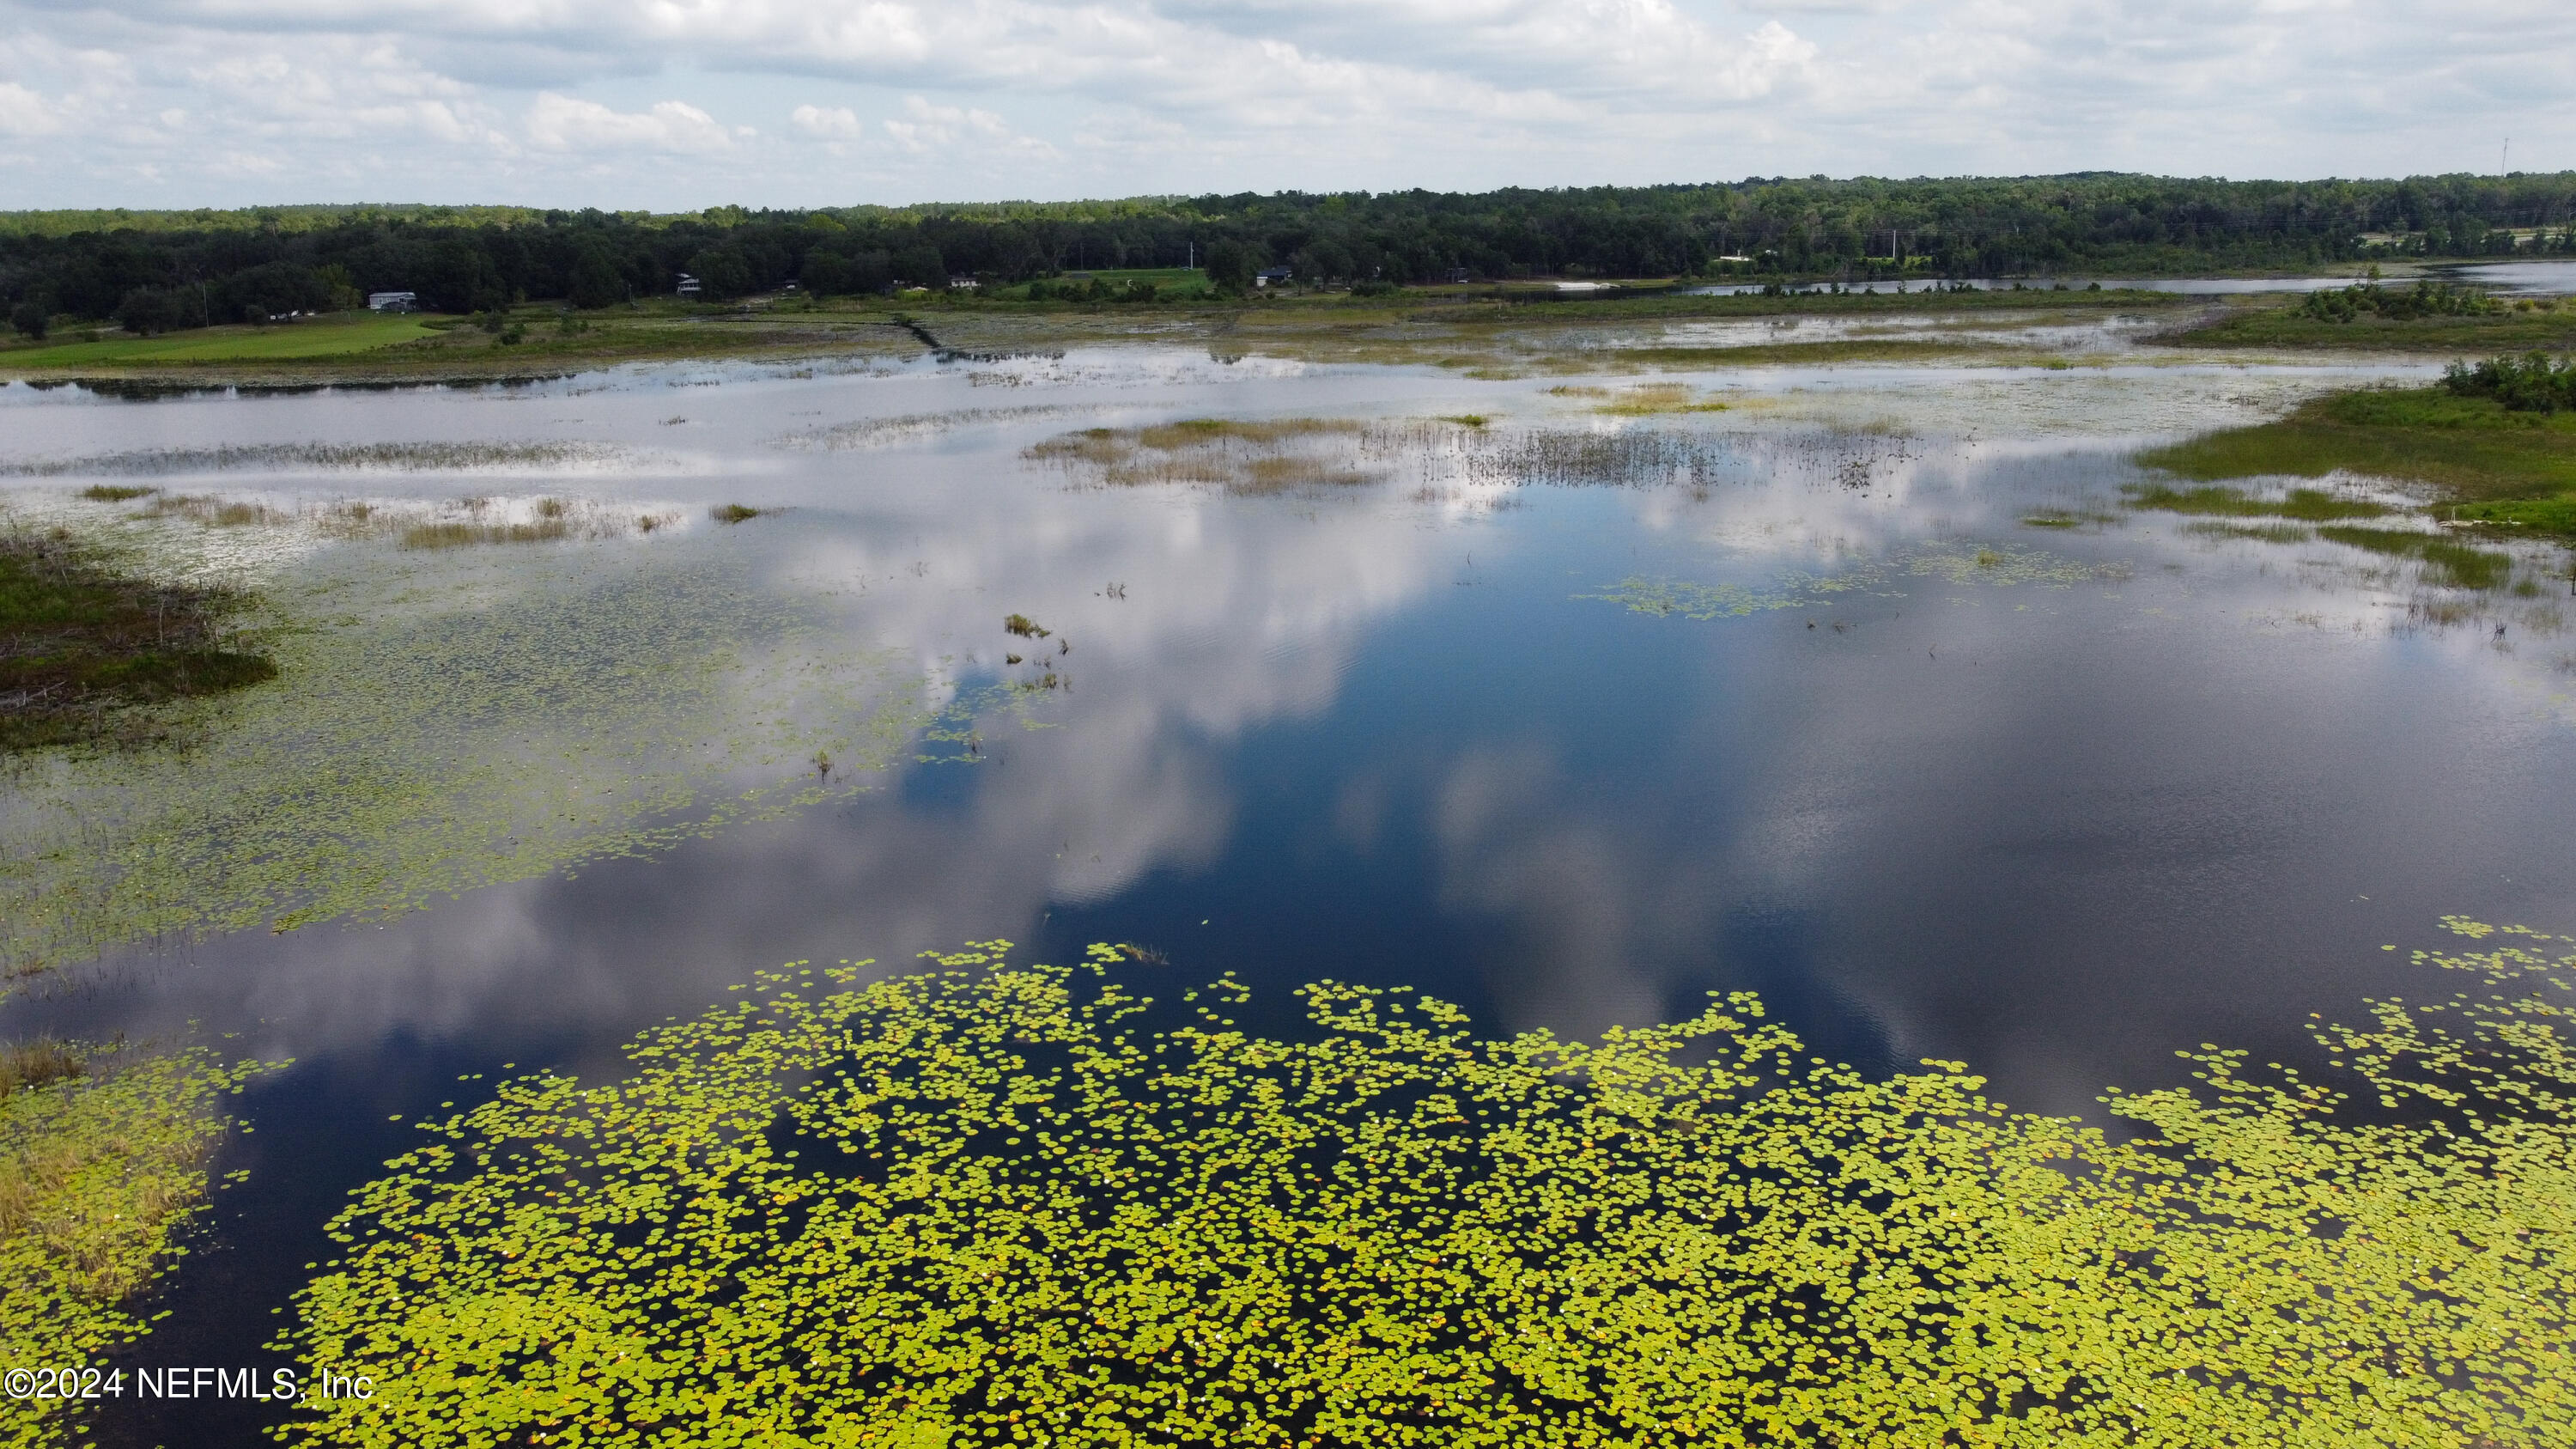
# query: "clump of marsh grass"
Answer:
x=1656 y=398
x=1265 y=456
x=35 y=1063
x=81 y=639
x=469 y=535
x=2311 y=505
x=2445 y=560
x=2259 y=532
x=216 y=512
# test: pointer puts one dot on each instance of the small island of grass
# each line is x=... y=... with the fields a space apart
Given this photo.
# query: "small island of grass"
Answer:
x=2491 y=461
x=80 y=641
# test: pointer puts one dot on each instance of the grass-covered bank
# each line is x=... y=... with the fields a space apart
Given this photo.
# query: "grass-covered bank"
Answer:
x=104 y=1158
x=1466 y=326
x=2298 y=324
x=2490 y=464
x=82 y=641
x=1002 y=1204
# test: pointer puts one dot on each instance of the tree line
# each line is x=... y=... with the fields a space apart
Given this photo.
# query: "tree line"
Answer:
x=157 y=271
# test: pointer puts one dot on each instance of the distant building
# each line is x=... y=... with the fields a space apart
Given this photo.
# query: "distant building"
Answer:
x=393 y=301
x=1269 y=276
x=688 y=285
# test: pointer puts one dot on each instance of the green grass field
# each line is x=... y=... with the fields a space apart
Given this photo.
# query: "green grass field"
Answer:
x=325 y=337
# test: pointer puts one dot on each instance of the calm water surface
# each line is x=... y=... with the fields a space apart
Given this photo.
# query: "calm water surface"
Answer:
x=2126 y=787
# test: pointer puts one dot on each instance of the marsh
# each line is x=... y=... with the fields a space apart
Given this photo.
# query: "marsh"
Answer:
x=1501 y=689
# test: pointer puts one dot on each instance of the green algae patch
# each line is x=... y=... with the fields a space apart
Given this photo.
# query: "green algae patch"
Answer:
x=103 y=1163
x=2488 y=463
x=457 y=718
x=998 y=1204
x=2003 y=565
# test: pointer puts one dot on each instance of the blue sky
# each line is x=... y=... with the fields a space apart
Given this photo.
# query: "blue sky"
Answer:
x=679 y=104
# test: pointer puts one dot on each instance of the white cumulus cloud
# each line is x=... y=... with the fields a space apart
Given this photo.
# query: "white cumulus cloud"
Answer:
x=563 y=123
x=562 y=101
x=24 y=113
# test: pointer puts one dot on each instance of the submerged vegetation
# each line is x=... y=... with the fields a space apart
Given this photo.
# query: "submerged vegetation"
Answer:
x=2489 y=463
x=1001 y=1204
x=1999 y=564
x=82 y=641
x=103 y=1160
x=458 y=718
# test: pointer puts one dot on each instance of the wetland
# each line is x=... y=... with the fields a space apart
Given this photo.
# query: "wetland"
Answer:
x=1660 y=871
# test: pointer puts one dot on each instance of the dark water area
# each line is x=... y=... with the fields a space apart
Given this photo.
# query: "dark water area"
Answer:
x=2123 y=789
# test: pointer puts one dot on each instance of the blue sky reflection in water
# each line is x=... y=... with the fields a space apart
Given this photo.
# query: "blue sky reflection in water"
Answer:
x=1394 y=733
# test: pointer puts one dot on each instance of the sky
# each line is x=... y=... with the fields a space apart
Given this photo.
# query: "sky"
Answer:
x=675 y=105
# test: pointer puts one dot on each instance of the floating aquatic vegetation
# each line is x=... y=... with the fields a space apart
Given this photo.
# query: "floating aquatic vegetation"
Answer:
x=405 y=457
x=1003 y=1204
x=2002 y=564
x=103 y=1161
x=1999 y=564
x=455 y=720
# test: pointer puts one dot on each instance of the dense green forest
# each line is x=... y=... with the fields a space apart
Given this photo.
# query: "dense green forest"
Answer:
x=156 y=271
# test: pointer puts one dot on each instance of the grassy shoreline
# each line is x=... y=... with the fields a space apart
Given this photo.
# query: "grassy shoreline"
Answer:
x=2487 y=465
x=1478 y=330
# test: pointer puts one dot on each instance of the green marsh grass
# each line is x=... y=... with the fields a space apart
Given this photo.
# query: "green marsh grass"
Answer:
x=2259 y=532
x=83 y=642
x=2446 y=560
x=457 y=534
x=2308 y=504
x=999 y=1204
x=2490 y=465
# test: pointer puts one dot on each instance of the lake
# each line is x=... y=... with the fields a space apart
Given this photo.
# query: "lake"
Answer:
x=1867 y=689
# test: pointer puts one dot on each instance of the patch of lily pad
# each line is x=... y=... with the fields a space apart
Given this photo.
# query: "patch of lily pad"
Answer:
x=104 y=1160
x=999 y=1204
